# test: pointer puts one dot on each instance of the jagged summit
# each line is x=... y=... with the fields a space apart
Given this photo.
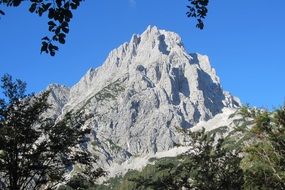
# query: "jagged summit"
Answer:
x=152 y=42
x=151 y=47
x=144 y=92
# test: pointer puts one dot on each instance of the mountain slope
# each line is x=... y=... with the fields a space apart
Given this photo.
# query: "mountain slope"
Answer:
x=146 y=90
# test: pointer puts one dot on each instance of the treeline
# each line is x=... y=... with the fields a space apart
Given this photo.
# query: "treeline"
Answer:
x=252 y=156
x=37 y=152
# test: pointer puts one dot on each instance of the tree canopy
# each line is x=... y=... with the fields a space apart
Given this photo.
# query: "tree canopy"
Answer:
x=250 y=156
x=36 y=152
x=264 y=161
x=207 y=165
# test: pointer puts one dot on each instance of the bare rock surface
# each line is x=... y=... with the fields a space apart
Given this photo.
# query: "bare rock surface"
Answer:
x=146 y=90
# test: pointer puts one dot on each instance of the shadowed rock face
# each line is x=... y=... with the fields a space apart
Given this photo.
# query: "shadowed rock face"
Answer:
x=146 y=90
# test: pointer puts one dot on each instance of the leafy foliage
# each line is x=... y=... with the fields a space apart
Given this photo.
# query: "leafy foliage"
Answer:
x=78 y=182
x=59 y=13
x=207 y=165
x=198 y=9
x=35 y=151
x=264 y=162
x=249 y=157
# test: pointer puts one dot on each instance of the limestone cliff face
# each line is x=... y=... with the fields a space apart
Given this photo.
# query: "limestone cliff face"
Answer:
x=146 y=90
x=58 y=97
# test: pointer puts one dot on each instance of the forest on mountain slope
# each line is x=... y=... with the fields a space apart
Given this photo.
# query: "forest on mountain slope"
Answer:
x=251 y=156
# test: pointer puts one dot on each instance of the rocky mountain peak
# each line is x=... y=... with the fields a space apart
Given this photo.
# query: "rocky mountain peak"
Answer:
x=145 y=91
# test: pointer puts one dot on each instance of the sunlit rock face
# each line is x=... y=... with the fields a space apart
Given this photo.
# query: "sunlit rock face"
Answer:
x=146 y=90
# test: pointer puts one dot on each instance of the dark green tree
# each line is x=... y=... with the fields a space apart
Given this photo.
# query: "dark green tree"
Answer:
x=206 y=166
x=35 y=151
x=264 y=161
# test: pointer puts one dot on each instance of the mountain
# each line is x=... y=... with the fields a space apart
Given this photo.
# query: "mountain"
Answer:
x=146 y=91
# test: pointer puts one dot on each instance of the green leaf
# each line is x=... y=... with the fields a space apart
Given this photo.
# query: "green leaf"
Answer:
x=59 y=3
x=61 y=40
x=33 y=7
x=16 y=3
x=51 y=23
x=68 y=14
x=51 y=13
x=45 y=38
x=46 y=6
x=73 y=6
x=66 y=30
x=2 y=13
x=44 y=47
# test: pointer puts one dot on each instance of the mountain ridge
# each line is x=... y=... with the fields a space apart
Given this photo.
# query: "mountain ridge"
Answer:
x=146 y=89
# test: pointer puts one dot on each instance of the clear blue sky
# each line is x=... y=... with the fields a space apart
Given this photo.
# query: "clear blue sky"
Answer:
x=245 y=40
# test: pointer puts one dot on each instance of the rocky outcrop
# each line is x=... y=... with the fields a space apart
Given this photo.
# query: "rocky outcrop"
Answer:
x=146 y=90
